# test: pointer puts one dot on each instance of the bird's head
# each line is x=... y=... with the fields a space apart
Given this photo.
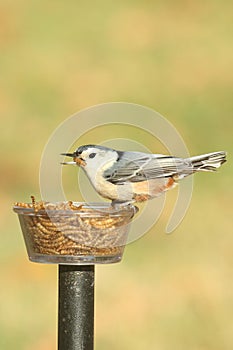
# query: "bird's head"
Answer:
x=93 y=157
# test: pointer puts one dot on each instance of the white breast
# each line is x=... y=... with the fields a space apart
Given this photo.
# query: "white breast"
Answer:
x=105 y=188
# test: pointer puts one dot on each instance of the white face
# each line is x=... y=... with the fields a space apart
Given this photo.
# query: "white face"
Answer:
x=96 y=159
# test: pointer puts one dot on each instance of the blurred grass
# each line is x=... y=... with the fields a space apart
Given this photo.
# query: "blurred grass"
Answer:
x=170 y=292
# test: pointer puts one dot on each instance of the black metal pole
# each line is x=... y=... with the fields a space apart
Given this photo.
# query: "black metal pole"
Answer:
x=76 y=307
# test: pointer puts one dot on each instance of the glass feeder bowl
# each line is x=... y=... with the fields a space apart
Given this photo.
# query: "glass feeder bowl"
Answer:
x=89 y=233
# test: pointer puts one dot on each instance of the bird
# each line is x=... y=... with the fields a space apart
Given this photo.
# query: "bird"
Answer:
x=126 y=177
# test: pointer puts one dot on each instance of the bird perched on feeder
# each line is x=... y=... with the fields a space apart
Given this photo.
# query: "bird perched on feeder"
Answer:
x=127 y=177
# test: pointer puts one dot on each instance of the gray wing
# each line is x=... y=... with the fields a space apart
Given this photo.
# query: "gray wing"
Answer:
x=136 y=167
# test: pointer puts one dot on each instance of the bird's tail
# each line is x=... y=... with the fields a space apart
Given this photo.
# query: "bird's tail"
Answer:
x=208 y=162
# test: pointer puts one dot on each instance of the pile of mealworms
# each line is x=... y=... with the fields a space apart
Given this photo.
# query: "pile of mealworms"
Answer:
x=66 y=228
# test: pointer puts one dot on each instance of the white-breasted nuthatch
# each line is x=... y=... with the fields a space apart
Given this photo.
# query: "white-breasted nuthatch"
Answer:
x=126 y=177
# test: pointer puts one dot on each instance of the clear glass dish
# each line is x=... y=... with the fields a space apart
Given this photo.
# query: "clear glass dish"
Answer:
x=82 y=233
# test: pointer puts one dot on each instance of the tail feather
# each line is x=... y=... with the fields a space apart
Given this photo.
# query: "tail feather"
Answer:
x=208 y=162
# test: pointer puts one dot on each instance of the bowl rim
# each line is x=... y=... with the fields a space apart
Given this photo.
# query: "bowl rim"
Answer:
x=92 y=209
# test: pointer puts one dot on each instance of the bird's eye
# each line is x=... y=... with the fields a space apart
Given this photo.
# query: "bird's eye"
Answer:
x=92 y=155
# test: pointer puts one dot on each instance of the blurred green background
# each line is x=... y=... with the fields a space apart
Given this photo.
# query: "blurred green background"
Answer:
x=170 y=292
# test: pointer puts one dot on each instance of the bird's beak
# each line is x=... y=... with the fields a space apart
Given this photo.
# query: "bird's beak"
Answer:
x=76 y=160
x=68 y=154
